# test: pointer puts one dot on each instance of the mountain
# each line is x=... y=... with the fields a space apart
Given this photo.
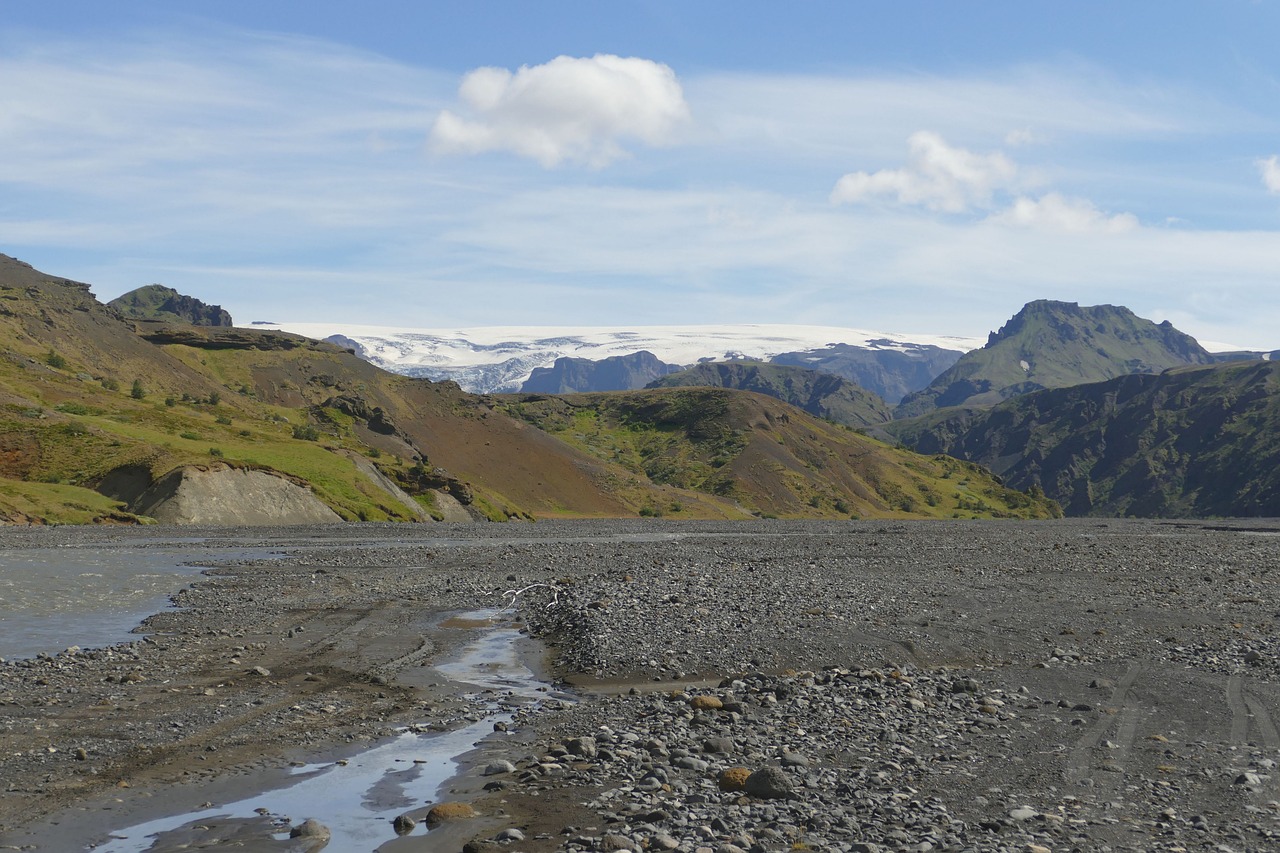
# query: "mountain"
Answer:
x=766 y=457
x=1053 y=345
x=157 y=302
x=501 y=359
x=891 y=369
x=1245 y=355
x=1193 y=441
x=823 y=395
x=106 y=419
x=615 y=373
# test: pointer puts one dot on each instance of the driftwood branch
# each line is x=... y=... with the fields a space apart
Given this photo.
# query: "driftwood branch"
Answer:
x=512 y=596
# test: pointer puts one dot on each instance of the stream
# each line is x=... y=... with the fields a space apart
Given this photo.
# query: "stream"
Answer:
x=358 y=798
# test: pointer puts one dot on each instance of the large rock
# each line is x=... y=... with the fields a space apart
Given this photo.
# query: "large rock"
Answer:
x=769 y=783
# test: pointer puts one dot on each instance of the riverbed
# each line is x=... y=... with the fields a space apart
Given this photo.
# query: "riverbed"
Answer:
x=966 y=685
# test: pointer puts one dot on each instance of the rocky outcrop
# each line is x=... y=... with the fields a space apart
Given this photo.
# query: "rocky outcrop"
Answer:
x=206 y=337
x=382 y=481
x=221 y=494
x=157 y=302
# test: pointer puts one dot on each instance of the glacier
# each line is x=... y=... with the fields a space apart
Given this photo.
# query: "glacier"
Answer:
x=498 y=359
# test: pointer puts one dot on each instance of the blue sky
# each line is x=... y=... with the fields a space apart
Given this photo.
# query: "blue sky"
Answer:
x=913 y=166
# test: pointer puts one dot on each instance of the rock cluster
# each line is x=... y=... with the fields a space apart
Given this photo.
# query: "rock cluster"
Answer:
x=838 y=759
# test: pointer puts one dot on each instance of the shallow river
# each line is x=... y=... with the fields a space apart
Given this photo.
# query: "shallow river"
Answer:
x=92 y=596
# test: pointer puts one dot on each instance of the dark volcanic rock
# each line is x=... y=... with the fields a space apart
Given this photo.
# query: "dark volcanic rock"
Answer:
x=157 y=302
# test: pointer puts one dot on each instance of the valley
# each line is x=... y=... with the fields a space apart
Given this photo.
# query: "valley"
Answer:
x=158 y=409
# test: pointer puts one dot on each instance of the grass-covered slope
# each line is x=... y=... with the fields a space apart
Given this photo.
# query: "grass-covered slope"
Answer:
x=92 y=403
x=768 y=457
x=823 y=395
x=1054 y=345
x=83 y=395
x=1191 y=442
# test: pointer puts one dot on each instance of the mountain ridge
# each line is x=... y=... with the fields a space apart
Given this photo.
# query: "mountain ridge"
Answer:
x=1201 y=440
x=615 y=373
x=1051 y=344
x=97 y=411
x=823 y=395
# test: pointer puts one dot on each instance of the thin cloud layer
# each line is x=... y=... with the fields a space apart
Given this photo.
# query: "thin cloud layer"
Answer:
x=570 y=109
x=937 y=176
x=285 y=179
x=1270 y=169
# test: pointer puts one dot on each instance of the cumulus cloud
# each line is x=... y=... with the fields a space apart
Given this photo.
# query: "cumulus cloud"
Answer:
x=1270 y=169
x=567 y=110
x=1055 y=212
x=937 y=175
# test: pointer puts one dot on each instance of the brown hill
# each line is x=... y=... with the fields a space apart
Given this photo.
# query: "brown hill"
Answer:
x=97 y=411
x=768 y=457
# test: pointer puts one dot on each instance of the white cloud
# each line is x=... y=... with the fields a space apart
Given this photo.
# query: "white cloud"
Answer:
x=284 y=179
x=569 y=109
x=937 y=176
x=1270 y=169
x=1055 y=212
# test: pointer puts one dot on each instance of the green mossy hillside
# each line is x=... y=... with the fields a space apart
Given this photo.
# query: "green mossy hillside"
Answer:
x=770 y=458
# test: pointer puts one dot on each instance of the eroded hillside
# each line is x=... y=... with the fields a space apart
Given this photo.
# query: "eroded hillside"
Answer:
x=98 y=411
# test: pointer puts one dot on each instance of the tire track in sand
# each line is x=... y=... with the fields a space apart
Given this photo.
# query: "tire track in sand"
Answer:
x=1125 y=720
x=1248 y=712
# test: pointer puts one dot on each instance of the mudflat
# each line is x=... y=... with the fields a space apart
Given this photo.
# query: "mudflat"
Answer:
x=871 y=685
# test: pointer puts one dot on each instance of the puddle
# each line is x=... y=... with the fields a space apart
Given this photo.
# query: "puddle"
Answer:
x=358 y=799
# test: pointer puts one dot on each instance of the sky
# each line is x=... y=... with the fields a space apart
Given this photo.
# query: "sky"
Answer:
x=912 y=166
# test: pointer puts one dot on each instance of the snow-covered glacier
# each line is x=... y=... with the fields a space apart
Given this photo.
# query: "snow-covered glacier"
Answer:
x=498 y=359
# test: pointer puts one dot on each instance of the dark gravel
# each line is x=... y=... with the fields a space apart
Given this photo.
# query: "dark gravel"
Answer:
x=1069 y=685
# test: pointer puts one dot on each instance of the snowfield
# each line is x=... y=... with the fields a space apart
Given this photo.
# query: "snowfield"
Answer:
x=497 y=359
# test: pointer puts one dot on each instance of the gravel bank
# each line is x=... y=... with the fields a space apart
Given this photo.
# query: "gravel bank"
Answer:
x=1064 y=685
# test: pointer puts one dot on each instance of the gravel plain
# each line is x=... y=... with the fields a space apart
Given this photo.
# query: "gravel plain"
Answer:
x=1014 y=686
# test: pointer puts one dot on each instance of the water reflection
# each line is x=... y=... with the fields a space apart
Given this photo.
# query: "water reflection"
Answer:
x=358 y=799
